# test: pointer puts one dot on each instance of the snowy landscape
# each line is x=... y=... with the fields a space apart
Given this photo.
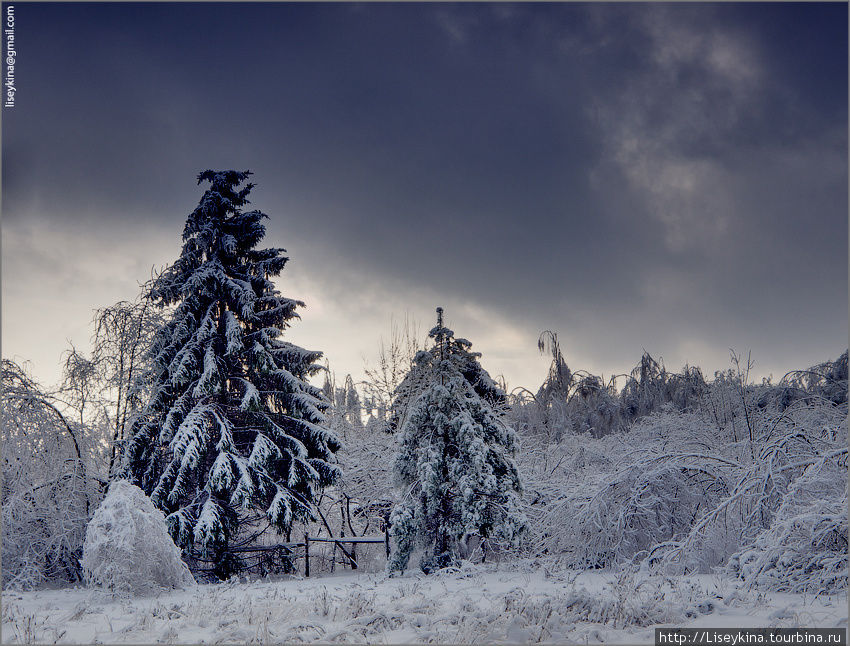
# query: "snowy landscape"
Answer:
x=584 y=511
x=493 y=388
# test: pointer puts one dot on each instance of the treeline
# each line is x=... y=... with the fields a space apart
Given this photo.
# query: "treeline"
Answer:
x=580 y=402
x=749 y=478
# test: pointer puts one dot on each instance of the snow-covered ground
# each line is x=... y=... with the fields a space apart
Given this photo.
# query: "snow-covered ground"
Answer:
x=493 y=603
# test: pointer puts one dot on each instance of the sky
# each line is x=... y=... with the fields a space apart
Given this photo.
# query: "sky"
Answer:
x=669 y=178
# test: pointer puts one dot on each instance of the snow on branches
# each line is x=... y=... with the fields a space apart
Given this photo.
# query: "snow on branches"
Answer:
x=751 y=481
x=127 y=548
x=233 y=432
x=50 y=482
x=455 y=461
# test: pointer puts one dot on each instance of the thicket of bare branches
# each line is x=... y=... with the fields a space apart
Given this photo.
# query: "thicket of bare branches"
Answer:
x=61 y=445
x=750 y=479
x=51 y=482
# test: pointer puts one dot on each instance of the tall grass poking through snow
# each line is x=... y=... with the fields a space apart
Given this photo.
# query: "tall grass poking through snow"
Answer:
x=521 y=602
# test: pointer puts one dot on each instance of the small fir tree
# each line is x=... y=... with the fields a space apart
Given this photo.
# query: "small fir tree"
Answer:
x=232 y=427
x=456 y=460
x=466 y=362
x=353 y=407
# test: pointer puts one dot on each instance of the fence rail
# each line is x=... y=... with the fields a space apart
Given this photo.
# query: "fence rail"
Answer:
x=268 y=548
x=353 y=539
x=385 y=539
x=289 y=548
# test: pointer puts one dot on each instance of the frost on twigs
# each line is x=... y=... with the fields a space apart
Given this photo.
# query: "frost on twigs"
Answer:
x=127 y=548
x=750 y=481
x=805 y=547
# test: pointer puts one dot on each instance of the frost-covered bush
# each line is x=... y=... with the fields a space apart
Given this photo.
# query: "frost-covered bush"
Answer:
x=805 y=547
x=741 y=481
x=366 y=480
x=49 y=486
x=761 y=513
x=127 y=548
x=610 y=510
x=554 y=473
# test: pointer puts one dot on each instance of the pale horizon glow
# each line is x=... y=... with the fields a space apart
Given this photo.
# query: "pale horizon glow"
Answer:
x=348 y=333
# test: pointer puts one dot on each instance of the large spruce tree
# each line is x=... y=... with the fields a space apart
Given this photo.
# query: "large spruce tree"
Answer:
x=455 y=462
x=233 y=431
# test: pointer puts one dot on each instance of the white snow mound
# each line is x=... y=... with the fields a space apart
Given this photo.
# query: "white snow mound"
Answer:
x=127 y=548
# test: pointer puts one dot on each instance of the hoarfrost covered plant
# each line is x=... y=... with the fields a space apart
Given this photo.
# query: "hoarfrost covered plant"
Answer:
x=455 y=462
x=753 y=480
x=127 y=548
x=48 y=484
x=233 y=436
x=805 y=547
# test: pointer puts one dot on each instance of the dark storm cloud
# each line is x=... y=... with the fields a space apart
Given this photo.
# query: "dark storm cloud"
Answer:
x=663 y=176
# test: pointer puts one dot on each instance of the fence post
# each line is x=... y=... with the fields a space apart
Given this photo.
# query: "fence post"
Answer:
x=306 y=554
x=354 y=556
x=387 y=539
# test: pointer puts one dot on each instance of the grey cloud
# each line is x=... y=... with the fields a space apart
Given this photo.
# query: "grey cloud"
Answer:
x=664 y=176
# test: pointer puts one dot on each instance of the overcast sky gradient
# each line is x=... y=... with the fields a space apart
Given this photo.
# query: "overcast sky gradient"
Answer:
x=633 y=176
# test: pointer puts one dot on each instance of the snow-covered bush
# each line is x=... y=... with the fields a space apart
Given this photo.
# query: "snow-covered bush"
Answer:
x=746 y=481
x=767 y=477
x=366 y=481
x=128 y=549
x=805 y=548
x=49 y=486
x=609 y=510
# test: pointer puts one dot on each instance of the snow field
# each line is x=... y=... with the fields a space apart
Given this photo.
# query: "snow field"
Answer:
x=523 y=602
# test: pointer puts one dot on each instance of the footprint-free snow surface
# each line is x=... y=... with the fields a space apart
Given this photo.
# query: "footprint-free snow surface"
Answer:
x=525 y=602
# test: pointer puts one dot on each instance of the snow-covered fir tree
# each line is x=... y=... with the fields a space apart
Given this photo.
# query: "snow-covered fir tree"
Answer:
x=466 y=362
x=233 y=432
x=353 y=407
x=455 y=462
